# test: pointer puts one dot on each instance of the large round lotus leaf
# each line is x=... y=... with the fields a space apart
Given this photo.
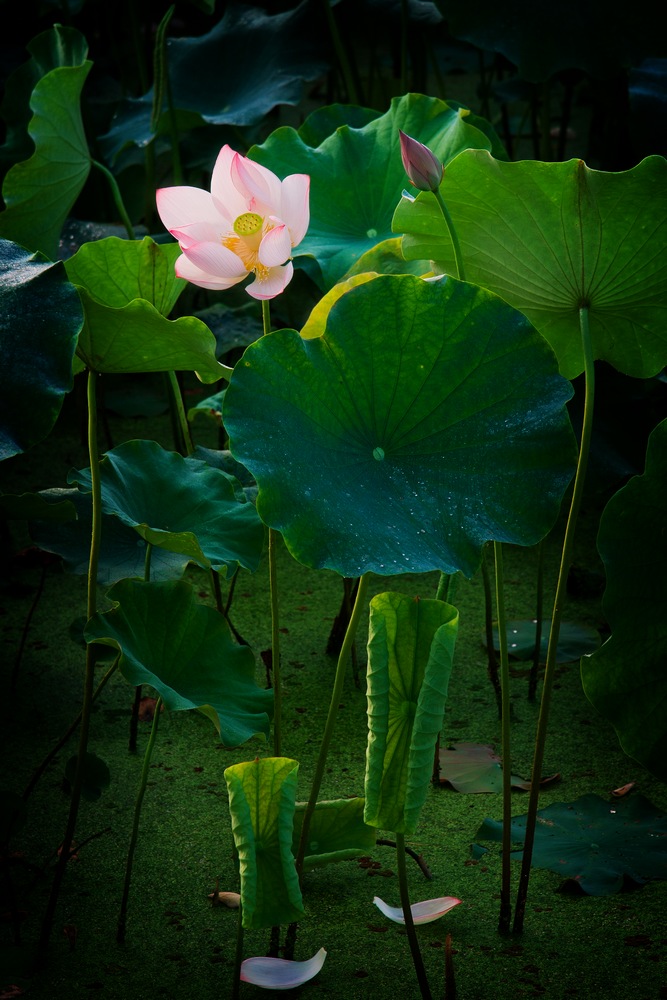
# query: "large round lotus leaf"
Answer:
x=40 y=319
x=357 y=175
x=428 y=418
x=553 y=237
x=179 y=504
x=626 y=679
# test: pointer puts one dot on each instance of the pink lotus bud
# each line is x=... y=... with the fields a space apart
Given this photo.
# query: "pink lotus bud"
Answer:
x=421 y=165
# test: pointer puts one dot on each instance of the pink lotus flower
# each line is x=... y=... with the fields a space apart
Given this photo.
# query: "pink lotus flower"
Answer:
x=247 y=224
x=421 y=165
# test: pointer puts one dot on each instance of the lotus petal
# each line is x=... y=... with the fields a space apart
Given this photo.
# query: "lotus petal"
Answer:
x=279 y=973
x=422 y=913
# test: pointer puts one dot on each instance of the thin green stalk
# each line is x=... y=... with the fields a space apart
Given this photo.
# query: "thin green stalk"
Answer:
x=492 y=660
x=359 y=604
x=89 y=676
x=407 y=915
x=458 y=256
x=122 y=917
x=559 y=602
x=238 y=955
x=539 y=613
x=117 y=197
x=180 y=414
x=505 y=885
x=275 y=611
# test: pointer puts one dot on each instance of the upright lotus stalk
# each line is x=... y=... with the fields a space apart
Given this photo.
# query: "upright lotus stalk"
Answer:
x=426 y=173
x=246 y=225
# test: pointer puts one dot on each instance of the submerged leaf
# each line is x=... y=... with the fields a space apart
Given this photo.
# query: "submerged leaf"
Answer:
x=422 y=913
x=574 y=640
x=595 y=843
x=280 y=973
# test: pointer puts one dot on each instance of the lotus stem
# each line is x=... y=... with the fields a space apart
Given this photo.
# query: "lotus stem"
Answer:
x=117 y=197
x=89 y=676
x=458 y=256
x=238 y=955
x=180 y=416
x=505 y=886
x=122 y=917
x=329 y=727
x=407 y=915
x=492 y=661
x=539 y=604
x=559 y=601
x=275 y=610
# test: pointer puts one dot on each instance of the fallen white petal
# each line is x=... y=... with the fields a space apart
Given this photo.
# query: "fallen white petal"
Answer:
x=279 y=973
x=422 y=913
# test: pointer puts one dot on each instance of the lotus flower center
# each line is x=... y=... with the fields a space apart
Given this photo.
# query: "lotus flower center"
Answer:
x=248 y=224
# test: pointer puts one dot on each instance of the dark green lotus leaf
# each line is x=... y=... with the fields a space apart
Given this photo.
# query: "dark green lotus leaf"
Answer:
x=357 y=175
x=599 y=37
x=553 y=237
x=142 y=394
x=122 y=551
x=625 y=679
x=429 y=418
x=574 y=640
x=115 y=272
x=210 y=408
x=136 y=338
x=96 y=775
x=595 y=842
x=180 y=504
x=40 y=320
x=27 y=506
x=323 y=122
x=185 y=651
x=235 y=74
x=337 y=832
x=40 y=191
x=59 y=46
x=410 y=654
x=128 y=288
x=262 y=796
